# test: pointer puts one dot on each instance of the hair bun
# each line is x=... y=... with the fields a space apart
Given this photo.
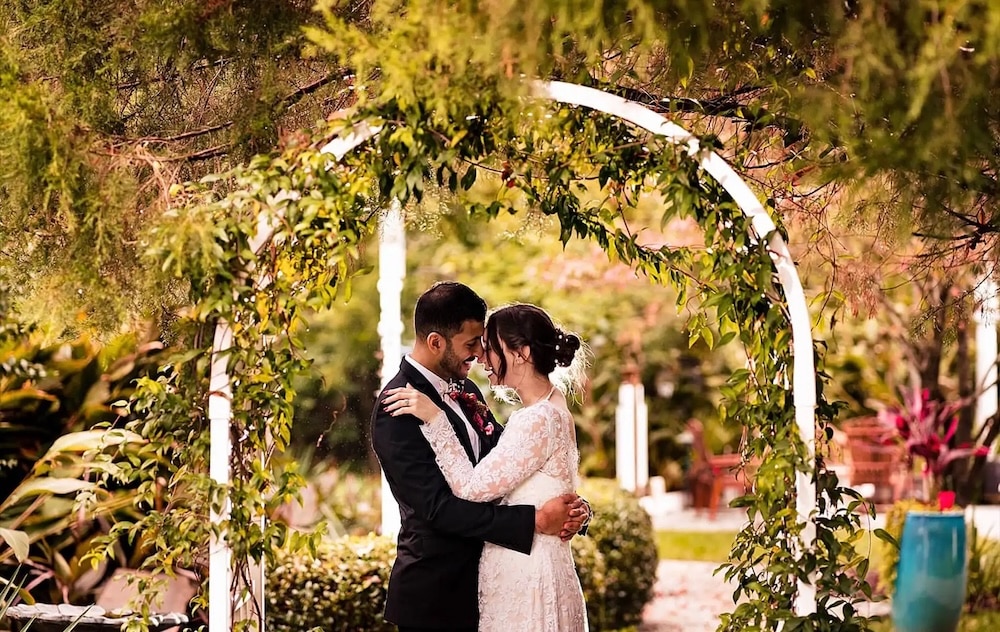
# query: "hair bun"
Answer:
x=566 y=347
x=525 y=325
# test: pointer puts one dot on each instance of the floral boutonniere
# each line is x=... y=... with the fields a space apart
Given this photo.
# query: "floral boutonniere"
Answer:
x=473 y=407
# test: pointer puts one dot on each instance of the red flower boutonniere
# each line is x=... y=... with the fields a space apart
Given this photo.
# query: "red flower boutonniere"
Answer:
x=473 y=407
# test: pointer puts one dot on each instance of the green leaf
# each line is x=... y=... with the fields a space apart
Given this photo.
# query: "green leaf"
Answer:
x=885 y=536
x=53 y=486
x=469 y=178
x=16 y=540
x=693 y=336
x=21 y=398
x=92 y=440
x=709 y=336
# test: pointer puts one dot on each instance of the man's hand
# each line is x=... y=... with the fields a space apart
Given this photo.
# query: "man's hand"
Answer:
x=562 y=516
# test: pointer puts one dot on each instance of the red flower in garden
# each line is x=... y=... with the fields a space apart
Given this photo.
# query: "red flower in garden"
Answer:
x=926 y=427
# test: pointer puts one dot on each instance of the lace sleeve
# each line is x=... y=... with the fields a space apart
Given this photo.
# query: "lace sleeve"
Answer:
x=523 y=448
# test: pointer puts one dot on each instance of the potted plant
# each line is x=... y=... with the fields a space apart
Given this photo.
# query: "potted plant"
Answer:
x=933 y=567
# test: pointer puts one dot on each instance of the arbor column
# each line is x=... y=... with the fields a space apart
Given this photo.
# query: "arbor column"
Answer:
x=764 y=229
x=985 y=316
x=391 y=272
x=220 y=556
x=222 y=591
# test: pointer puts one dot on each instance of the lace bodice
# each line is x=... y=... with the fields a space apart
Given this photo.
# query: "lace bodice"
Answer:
x=538 y=440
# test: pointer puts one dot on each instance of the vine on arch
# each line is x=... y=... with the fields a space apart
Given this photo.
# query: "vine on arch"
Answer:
x=582 y=169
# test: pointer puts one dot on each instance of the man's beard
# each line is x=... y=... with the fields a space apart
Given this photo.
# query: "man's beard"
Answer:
x=452 y=365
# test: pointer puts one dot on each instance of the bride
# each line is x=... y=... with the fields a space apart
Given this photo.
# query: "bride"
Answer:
x=535 y=459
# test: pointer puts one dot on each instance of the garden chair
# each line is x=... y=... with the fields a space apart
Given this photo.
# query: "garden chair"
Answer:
x=712 y=474
x=871 y=460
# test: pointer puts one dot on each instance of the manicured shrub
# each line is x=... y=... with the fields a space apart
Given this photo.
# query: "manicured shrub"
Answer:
x=590 y=568
x=341 y=589
x=623 y=533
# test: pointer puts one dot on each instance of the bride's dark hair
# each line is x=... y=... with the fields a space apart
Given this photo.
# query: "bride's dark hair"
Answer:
x=525 y=325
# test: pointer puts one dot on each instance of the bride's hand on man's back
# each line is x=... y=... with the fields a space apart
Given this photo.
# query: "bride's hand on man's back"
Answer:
x=407 y=400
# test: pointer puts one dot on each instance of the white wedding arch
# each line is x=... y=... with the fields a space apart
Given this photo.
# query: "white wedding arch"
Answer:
x=222 y=593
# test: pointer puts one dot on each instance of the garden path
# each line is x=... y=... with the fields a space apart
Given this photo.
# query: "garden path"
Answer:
x=687 y=598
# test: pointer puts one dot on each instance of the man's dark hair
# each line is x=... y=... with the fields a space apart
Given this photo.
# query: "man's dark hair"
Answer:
x=444 y=307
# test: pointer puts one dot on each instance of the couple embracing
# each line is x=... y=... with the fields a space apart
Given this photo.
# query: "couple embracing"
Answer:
x=462 y=480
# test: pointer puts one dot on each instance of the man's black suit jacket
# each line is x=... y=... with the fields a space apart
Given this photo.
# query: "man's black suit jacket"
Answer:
x=434 y=581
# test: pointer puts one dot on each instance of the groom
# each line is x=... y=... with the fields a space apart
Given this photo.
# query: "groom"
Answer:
x=434 y=581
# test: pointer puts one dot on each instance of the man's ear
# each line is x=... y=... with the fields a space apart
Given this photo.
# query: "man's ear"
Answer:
x=436 y=342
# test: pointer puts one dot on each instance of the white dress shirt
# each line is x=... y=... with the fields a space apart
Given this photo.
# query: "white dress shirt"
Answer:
x=441 y=385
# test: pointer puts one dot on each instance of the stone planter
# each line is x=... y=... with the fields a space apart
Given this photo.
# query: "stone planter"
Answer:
x=932 y=573
x=60 y=617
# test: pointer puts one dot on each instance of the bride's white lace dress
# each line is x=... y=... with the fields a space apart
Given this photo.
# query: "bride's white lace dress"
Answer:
x=535 y=460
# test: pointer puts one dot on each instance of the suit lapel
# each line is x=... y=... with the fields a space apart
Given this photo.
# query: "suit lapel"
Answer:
x=419 y=382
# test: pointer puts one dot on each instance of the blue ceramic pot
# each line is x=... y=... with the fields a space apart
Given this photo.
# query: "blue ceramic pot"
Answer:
x=932 y=571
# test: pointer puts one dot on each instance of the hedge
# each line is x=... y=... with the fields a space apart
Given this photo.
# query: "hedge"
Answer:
x=623 y=532
x=343 y=587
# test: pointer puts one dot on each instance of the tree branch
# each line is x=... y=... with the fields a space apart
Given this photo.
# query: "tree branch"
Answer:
x=293 y=97
x=195 y=67
x=182 y=136
x=725 y=106
x=204 y=154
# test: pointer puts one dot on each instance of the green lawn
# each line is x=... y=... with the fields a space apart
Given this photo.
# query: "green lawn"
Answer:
x=715 y=546
x=694 y=546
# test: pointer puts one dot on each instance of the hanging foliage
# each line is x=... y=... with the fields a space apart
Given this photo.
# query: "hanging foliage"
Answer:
x=585 y=170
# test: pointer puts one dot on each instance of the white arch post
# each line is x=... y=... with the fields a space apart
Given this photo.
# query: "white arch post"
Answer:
x=632 y=437
x=985 y=316
x=223 y=592
x=803 y=384
x=391 y=272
